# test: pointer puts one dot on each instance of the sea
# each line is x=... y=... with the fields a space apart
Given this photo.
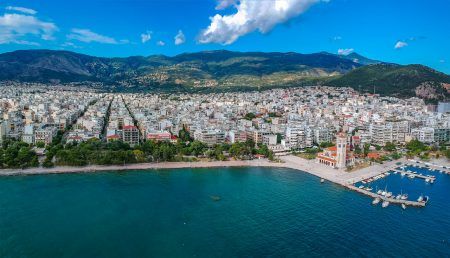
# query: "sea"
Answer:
x=216 y=212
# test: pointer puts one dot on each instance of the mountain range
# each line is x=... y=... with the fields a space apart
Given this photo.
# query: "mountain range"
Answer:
x=223 y=71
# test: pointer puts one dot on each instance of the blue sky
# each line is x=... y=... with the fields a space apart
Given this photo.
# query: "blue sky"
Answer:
x=400 y=31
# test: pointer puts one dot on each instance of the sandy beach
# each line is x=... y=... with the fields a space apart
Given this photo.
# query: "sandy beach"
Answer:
x=338 y=176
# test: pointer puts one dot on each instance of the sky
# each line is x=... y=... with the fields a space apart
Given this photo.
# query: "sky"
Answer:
x=399 y=31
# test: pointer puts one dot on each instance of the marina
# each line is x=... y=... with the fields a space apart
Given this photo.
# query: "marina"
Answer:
x=386 y=199
x=402 y=176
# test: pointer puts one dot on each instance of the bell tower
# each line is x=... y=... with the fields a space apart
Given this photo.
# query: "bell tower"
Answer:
x=341 y=150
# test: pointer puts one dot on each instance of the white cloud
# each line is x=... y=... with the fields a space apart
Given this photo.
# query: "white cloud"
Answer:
x=345 y=51
x=21 y=9
x=14 y=27
x=251 y=15
x=69 y=44
x=223 y=4
x=400 y=44
x=180 y=38
x=88 y=36
x=147 y=36
x=161 y=43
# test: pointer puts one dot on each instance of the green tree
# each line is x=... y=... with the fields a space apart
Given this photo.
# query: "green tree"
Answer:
x=249 y=116
x=197 y=148
x=389 y=146
x=40 y=144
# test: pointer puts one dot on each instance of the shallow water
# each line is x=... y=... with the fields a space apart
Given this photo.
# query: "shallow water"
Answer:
x=173 y=213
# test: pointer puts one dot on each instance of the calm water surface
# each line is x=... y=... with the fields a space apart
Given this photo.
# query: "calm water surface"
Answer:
x=176 y=213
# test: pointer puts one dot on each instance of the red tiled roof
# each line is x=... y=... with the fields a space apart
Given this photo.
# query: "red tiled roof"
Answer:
x=332 y=148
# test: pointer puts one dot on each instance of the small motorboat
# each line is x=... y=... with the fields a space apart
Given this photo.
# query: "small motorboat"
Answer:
x=376 y=201
x=420 y=199
x=322 y=180
x=403 y=206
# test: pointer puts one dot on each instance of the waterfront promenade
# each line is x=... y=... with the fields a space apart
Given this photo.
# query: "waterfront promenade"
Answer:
x=338 y=176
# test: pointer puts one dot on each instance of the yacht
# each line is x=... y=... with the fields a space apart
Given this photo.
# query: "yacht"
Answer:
x=361 y=187
x=398 y=197
x=420 y=199
x=385 y=204
x=379 y=192
x=404 y=197
x=376 y=201
x=369 y=188
x=389 y=194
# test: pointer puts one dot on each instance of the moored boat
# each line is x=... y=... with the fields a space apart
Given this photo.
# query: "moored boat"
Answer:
x=385 y=204
x=420 y=199
x=376 y=201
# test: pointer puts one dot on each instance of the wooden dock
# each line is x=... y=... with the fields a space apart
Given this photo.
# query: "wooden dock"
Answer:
x=384 y=198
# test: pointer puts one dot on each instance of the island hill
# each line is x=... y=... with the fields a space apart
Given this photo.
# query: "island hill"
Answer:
x=222 y=71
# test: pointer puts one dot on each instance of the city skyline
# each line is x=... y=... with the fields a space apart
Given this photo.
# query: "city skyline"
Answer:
x=408 y=32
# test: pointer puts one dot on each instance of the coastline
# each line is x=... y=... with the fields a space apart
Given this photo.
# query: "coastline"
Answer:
x=137 y=166
x=338 y=176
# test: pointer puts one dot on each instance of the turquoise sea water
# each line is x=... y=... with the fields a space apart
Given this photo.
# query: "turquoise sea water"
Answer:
x=175 y=213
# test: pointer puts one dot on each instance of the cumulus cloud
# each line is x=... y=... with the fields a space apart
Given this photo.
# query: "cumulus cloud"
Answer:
x=161 y=43
x=147 y=36
x=180 y=38
x=251 y=15
x=345 y=51
x=21 y=10
x=400 y=44
x=88 y=36
x=223 y=4
x=14 y=27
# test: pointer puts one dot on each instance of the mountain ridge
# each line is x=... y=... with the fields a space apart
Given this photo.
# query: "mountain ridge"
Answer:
x=220 y=70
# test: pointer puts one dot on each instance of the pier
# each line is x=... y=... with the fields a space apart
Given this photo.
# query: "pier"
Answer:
x=384 y=198
x=424 y=177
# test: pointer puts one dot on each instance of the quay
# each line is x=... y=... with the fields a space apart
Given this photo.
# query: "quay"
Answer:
x=431 y=166
x=384 y=198
x=424 y=177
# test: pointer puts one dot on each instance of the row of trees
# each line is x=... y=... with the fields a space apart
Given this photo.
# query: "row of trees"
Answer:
x=101 y=153
x=185 y=149
x=16 y=154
